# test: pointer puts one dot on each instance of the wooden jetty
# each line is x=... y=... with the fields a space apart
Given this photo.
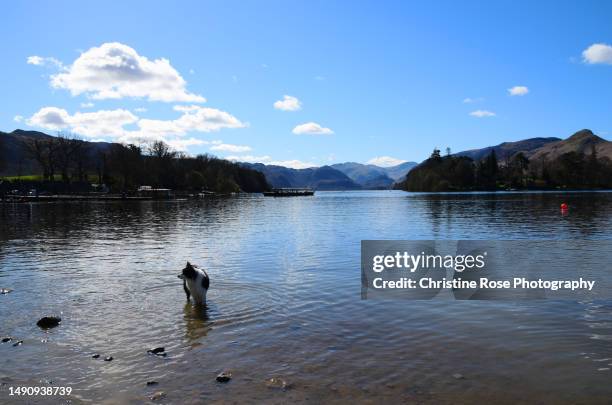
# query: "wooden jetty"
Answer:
x=288 y=192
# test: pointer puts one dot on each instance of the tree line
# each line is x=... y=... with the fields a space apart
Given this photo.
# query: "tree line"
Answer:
x=69 y=163
x=572 y=170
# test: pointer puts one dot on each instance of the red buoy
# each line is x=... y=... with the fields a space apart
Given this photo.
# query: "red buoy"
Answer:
x=564 y=206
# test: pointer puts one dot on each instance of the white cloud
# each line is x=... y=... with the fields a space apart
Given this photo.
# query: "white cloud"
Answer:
x=182 y=145
x=518 y=90
x=35 y=60
x=204 y=119
x=140 y=109
x=114 y=70
x=111 y=124
x=469 y=100
x=18 y=118
x=598 y=53
x=311 y=128
x=87 y=105
x=249 y=158
x=292 y=164
x=482 y=113
x=288 y=103
x=385 y=161
x=225 y=147
x=103 y=123
x=44 y=61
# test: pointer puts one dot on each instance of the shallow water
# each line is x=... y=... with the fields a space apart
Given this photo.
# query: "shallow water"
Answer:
x=285 y=302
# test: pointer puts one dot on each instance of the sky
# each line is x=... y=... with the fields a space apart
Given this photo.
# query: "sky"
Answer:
x=308 y=83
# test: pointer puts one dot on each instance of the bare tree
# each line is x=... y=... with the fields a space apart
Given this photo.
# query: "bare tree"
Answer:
x=44 y=152
x=67 y=147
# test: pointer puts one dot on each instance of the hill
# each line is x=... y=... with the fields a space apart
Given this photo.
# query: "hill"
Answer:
x=16 y=161
x=372 y=176
x=316 y=178
x=581 y=142
x=506 y=150
x=63 y=164
x=556 y=164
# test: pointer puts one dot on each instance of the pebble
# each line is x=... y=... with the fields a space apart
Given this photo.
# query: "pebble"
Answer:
x=109 y=358
x=458 y=376
x=224 y=377
x=47 y=322
x=158 y=395
x=6 y=339
x=95 y=356
x=277 y=383
x=5 y=290
x=18 y=343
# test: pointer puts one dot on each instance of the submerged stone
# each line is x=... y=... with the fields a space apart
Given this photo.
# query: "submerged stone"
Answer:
x=158 y=351
x=158 y=395
x=224 y=377
x=47 y=322
x=277 y=383
x=149 y=383
x=6 y=339
x=95 y=356
x=18 y=343
x=109 y=358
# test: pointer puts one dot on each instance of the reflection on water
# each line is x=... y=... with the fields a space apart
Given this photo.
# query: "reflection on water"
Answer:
x=196 y=323
x=285 y=302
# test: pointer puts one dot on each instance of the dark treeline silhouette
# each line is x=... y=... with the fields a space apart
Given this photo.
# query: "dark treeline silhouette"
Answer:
x=3 y=156
x=572 y=170
x=67 y=163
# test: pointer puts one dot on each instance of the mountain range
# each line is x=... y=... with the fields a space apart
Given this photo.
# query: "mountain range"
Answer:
x=342 y=176
x=582 y=141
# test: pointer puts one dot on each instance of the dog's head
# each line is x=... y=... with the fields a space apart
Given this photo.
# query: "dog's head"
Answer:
x=188 y=273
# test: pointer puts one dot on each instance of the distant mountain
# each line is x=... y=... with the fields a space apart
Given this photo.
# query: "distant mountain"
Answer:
x=554 y=164
x=316 y=178
x=368 y=176
x=372 y=176
x=341 y=176
x=400 y=171
x=582 y=142
x=506 y=150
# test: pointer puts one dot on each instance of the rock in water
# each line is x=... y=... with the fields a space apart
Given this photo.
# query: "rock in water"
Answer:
x=109 y=358
x=5 y=290
x=149 y=383
x=158 y=351
x=7 y=339
x=95 y=356
x=48 y=322
x=458 y=376
x=277 y=383
x=158 y=395
x=18 y=343
x=224 y=377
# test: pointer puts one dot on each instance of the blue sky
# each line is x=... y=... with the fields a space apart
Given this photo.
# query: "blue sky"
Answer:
x=372 y=79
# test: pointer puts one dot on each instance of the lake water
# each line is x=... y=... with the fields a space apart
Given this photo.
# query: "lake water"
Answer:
x=285 y=302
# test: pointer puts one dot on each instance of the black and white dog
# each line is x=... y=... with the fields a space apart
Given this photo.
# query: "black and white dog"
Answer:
x=195 y=282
